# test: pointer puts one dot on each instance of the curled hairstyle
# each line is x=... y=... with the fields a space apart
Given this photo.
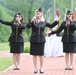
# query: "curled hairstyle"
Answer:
x=22 y=20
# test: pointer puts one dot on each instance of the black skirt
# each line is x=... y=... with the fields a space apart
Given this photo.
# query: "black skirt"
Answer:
x=37 y=48
x=69 y=47
x=16 y=47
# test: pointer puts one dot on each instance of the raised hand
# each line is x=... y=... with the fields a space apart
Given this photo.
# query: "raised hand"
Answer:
x=33 y=19
x=58 y=16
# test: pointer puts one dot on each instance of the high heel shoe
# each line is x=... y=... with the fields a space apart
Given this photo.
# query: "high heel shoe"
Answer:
x=18 y=68
x=70 y=68
x=14 y=68
x=66 y=68
x=41 y=71
x=35 y=71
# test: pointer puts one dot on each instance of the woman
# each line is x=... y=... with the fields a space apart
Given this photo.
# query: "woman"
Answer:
x=68 y=39
x=37 y=39
x=16 y=39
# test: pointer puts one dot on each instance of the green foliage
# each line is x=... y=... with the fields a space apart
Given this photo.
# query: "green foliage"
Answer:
x=27 y=49
x=63 y=5
x=4 y=30
x=8 y=8
x=5 y=63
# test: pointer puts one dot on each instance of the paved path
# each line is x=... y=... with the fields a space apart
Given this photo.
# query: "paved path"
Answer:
x=52 y=66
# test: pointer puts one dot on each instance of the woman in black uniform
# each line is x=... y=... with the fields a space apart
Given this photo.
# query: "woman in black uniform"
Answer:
x=68 y=39
x=37 y=39
x=16 y=39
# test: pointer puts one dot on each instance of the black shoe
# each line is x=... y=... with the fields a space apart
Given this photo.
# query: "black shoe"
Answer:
x=41 y=72
x=66 y=69
x=35 y=71
x=15 y=69
x=18 y=68
x=70 y=68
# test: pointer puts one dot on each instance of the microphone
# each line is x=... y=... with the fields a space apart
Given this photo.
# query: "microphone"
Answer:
x=70 y=18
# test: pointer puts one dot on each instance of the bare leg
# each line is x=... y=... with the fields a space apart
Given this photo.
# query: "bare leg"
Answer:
x=41 y=63
x=66 y=59
x=35 y=62
x=71 y=60
x=18 y=59
x=14 y=60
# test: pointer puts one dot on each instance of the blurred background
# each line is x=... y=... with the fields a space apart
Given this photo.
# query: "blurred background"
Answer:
x=8 y=8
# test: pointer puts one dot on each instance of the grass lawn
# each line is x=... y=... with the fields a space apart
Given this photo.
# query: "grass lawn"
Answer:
x=5 y=63
x=5 y=46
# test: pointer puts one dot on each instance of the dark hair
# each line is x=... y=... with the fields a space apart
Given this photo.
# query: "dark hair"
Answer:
x=69 y=12
x=40 y=9
x=22 y=20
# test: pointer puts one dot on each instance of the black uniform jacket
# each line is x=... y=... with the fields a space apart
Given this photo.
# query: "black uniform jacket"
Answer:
x=38 y=30
x=16 y=35
x=69 y=34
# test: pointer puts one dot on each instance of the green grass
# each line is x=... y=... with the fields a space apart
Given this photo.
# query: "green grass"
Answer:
x=5 y=46
x=5 y=63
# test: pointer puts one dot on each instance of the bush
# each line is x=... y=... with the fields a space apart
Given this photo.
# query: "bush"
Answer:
x=27 y=49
